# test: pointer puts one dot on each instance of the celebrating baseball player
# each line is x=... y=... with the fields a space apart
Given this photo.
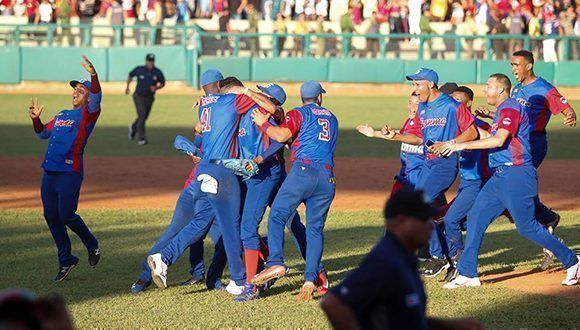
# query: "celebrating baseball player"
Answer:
x=68 y=133
x=314 y=130
x=513 y=185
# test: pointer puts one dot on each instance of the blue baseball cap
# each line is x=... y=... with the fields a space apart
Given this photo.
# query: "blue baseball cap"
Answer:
x=84 y=82
x=311 y=89
x=275 y=91
x=424 y=74
x=211 y=76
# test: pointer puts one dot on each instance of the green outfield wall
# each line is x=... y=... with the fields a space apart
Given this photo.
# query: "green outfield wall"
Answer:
x=179 y=63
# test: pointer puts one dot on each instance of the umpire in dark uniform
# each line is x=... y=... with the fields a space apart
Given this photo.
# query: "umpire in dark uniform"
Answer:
x=386 y=291
x=149 y=80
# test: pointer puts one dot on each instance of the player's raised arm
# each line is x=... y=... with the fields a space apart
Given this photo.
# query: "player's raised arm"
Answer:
x=278 y=133
x=34 y=111
x=95 y=92
x=389 y=134
x=259 y=98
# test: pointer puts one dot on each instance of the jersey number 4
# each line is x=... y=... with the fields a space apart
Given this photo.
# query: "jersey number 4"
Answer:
x=325 y=134
x=205 y=120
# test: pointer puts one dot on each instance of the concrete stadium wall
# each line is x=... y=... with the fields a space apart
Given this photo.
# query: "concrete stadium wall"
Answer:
x=179 y=63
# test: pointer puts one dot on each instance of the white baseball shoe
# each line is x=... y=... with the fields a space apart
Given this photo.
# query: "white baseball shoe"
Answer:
x=234 y=289
x=462 y=281
x=158 y=270
x=572 y=275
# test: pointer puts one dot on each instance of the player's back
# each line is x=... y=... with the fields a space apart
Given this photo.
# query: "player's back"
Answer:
x=317 y=136
x=219 y=125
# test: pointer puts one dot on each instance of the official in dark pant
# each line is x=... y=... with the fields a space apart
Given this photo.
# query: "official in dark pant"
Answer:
x=149 y=80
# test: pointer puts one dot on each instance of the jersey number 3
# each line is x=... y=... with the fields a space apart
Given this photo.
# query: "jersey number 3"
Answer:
x=205 y=120
x=325 y=134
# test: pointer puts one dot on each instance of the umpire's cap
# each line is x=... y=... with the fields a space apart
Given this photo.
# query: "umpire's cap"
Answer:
x=150 y=57
x=410 y=203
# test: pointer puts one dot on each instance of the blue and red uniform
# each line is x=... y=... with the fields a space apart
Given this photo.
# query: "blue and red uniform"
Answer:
x=216 y=190
x=412 y=157
x=311 y=180
x=540 y=100
x=513 y=185
x=67 y=133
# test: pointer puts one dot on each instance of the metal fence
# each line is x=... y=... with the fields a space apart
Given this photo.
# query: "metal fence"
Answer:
x=447 y=46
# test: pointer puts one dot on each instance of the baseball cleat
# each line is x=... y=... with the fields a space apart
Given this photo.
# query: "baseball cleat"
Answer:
x=94 y=257
x=548 y=257
x=322 y=282
x=63 y=272
x=132 y=132
x=462 y=281
x=142 y=142
x=451 y=274
x=551 y=226
x=158 y=270
x=193 y=281
x=250 y=292
x=307 y=291
x=235 y=289
x=268 y=284
x=270 y=273
x=140 y=286
x=435 y=266
x=572 y=275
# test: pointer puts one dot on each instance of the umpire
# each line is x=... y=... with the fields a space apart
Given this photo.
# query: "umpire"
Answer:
x=149 y=80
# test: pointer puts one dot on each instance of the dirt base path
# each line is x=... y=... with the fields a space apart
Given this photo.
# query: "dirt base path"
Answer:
x=535 y=281
x=155 y=182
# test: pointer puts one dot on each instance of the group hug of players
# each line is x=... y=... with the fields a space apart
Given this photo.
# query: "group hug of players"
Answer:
x=496 y=161
x=497 y=165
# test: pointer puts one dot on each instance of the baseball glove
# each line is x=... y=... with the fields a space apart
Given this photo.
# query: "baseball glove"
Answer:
x=185 y=145
x=246 y=168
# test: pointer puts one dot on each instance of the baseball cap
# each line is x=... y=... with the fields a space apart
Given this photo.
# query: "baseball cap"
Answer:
x=211 y=76
x=466 y=90
x=424 y=74
x=275 y=91
x=448 y=88
x=410 y=203
x=84 y=82
x=311 y=89
x=150 y=57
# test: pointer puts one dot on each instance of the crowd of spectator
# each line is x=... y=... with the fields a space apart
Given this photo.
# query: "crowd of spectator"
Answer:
x=533 y=18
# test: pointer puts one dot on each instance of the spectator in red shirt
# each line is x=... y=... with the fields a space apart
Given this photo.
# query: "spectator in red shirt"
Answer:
x=31 y=7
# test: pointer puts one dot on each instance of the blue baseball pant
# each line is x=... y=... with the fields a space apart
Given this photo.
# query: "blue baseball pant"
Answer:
x=312 y=184
x=436 y=177
x=60 y=192
x=182 y=215
x=514 y=188
x=539 y=145
x=457 y=212
x=225 y=207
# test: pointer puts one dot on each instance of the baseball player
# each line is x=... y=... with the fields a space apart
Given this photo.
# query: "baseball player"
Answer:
x=513 y=185
x=68 y=133
x=183 y=214
x=216 y=189
x=314 y=130
x=261 y=189
x=443 y=121
x=412 y=155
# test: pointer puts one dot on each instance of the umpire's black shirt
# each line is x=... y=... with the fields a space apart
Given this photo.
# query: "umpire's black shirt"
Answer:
x=146 y=79
x=386 y=291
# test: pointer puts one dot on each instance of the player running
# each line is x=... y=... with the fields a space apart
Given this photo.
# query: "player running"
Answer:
x=68 y=133
x=412 y=155
x=314 y=130
x=513 y=185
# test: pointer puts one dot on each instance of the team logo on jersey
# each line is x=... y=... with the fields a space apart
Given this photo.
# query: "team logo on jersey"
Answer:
x=506 y=121
x=563 y=100
x=242 y=132
x=64 y=123
x=154 y=77
x=523 y=102
x=434 y=122
x=141 y=77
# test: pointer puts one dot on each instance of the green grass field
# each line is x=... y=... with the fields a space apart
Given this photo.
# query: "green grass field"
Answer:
x=100 y=298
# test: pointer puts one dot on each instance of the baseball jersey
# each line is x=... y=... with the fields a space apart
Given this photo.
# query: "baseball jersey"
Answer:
x=540 y=100
x=412 y=156
x=314 y=132
x=68 y=133
x=473 y=164
x=516 y=150
x=219 y=115
x=443 y=120
x=252 y=140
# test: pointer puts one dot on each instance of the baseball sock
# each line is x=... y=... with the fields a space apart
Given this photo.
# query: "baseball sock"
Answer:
x=252 y=257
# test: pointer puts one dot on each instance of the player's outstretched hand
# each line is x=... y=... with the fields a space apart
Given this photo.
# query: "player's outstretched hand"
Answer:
x=570 y=119
x=366 y=130
x=88 y=66
x=34 y=110
x=447 y=149
x=259 y=117
x=388 y=132
x=483 y=112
